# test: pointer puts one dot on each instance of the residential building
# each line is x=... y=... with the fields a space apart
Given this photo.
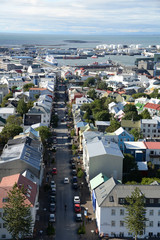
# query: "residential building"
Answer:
x=128 y=125
x=153 y=109
x=150 y=128
x=102 y=125
x=101 y=155
x=31 y=188
x=110 y=211
x=6 y=112
x=123 y=135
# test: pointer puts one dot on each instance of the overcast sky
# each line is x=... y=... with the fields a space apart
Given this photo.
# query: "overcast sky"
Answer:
x=80 y=16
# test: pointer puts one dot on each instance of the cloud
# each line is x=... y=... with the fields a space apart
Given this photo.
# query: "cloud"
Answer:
x=84 y=16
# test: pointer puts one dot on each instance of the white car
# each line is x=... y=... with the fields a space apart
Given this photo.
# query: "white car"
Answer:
x=76 y=200
x=52 y=217
x=53 y=185
x=66 y=180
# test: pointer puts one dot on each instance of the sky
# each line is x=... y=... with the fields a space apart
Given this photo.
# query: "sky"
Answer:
x=80 y=16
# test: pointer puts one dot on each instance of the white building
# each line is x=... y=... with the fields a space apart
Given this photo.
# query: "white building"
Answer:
x=6 y=112
x=150 y=128
x=110 y=212
x=82 y=100
x=101 y=155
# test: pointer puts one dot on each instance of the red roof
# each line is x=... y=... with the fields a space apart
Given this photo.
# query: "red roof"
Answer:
x=8 y=182
x=152 y=145
x=40 y=89
x=152 y=106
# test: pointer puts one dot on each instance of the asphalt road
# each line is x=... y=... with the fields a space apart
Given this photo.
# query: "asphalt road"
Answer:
x=65 y=223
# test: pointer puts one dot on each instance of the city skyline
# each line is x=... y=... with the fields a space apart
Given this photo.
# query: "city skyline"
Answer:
x=82 y=17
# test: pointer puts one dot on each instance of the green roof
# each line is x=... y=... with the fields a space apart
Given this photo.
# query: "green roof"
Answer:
x=98 y=180
x=130 y=123
x=140 y=106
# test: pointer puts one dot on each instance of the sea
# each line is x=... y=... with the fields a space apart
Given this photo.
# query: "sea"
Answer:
x=80 y=41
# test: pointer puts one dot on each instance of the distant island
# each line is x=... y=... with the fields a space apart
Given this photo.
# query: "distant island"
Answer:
x=80 y=41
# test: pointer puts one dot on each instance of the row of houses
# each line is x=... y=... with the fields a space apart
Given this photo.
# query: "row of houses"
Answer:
x=21 y=163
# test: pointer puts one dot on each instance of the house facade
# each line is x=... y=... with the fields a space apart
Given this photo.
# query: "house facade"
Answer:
x=110 y=211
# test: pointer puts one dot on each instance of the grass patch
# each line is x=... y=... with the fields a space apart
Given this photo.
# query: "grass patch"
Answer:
x=81 y=229
x=80 y=173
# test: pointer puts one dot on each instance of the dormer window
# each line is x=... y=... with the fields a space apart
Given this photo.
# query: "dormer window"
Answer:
x=111 y=199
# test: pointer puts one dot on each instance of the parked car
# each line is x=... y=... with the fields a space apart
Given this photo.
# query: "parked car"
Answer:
x=74 y=179
x=74 y=172
x=52 y=199
x=77 y=207
x=52 y=217
x=52 y=207
x=53 y=185
x=73 y=166
x=53 y=191
x=66 y=180
x=78 y=217
x=75 y=186
x=54 y=171
x=76 y=199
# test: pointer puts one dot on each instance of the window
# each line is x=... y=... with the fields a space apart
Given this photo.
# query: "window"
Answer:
x=158 y=212
x=113 y=212
x=112 y=234
x=151 y=200
x=144 y=130
x=151 y=212
x=4 y=225
x=158 y=200
x=151 y=224
x=121 y=211
x=113 y=223
x=0 y=214
x=3 y=235
x=129 y=234
x=121 y=200
x=148 y=125
x=148 y=130
x=158 y=223
x=0 y=225
x=121 y=223
x=111 y=199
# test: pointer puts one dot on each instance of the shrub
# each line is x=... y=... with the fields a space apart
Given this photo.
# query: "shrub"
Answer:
x=81 y=229
x=80 y=173
x=50 y=230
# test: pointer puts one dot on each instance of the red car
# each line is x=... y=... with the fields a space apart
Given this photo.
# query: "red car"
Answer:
x=77 y=208
x=54 y=171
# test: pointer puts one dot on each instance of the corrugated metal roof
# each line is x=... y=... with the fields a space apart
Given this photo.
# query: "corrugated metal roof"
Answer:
x=98 y=180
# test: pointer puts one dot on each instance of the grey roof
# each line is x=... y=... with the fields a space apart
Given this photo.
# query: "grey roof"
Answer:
x=149 y=121
x=104 y=190
x=112 y=188
x=102 y=123
x=23 y=152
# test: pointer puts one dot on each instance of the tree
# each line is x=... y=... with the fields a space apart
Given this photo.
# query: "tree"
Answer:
x=29 y=105
x=27 y=86
x=22 y=107
x=129 y=163
x=145 y=114
x=136 y=134
x=102 y=85
x=132 y=116
x=92 y=94
x=5 y=99
x=12 y=119
x=114 y=125
x=102 y=115
x=36 y=96
x=17 y=215
x=155 y=94
x=44 y=132
x=90 y=81
x=138 y=95
x=135 y=219
x=148 y=181
x=11 y=130
x=129 y=108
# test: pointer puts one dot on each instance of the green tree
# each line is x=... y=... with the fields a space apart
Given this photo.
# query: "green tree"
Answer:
x=29 y=105
x=12 y=119
x=27 y=86
x=132 y=116
x=145 y=114
x=92 y=94
x=102 y=115
x=114 y=125
x=155 y=94
x=129 y=163
x=148 y=181
x=138 y=95
x=17 y=215
x=5 y=99
x=136 y=134
x=130 y=108
x=11 y=130
x=14 y=88
x=44 y=132
x=102 y=85
x=22 y=107
x=135 y=219
x=90 y=81
x=36 y=96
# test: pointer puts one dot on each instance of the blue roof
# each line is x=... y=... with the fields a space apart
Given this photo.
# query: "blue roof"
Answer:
x=22 y=57
x=81 y=124
x=34 y=132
